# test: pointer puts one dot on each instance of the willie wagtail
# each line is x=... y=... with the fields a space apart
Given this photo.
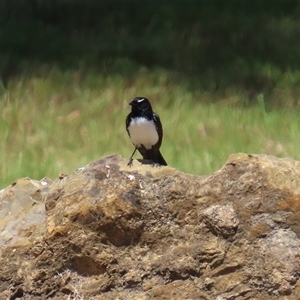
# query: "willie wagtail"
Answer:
x=145 y=130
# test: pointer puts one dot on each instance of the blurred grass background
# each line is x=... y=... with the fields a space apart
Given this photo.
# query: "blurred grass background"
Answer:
x=224 y=77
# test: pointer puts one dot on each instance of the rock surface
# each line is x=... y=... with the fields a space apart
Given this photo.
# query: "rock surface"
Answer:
x=113 y=232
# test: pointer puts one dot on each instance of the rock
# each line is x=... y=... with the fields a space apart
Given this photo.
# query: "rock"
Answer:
x=109 y=231
x=221 y=219
x=22 y=213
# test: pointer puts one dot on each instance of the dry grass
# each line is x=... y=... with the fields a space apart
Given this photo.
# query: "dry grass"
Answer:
x=75 y=283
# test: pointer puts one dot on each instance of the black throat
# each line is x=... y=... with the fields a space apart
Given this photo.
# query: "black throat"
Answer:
x=147 y=114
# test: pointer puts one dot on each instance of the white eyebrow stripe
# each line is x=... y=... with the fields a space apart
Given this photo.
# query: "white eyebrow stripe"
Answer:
x=141 y=100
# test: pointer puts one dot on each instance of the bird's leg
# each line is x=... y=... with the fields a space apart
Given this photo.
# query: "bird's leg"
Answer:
x=130 y=159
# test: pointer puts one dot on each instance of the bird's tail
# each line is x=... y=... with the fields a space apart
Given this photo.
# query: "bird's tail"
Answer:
x=161 y=160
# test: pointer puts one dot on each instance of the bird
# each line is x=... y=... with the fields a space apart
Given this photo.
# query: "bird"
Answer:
x=145 y=130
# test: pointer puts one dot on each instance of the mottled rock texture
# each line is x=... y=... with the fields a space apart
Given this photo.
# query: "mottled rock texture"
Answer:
x=113 y=232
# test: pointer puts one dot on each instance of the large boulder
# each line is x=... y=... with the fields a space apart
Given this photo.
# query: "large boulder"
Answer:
x=109 y=231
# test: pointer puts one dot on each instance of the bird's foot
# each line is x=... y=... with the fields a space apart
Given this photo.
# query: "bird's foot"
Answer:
x=155 y=164
x=147 y=161
x=130 y=162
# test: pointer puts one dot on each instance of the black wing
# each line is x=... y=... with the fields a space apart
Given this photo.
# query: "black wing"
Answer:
x=128 y=119
x=159 y=128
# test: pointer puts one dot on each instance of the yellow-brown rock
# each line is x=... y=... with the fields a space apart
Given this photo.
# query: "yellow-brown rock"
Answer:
x=109 y=231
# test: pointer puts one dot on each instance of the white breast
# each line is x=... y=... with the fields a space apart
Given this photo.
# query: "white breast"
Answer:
x=143 y=132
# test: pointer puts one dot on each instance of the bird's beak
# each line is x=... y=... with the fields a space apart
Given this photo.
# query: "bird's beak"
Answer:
x=130 y=103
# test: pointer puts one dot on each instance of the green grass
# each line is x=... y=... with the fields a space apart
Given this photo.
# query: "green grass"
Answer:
x=58 y=121
x=224 y=77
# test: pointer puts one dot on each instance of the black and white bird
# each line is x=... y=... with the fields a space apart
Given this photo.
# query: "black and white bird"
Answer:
x=145 y=130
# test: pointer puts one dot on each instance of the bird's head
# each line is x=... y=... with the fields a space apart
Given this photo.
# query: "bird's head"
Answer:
x=140 y=104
